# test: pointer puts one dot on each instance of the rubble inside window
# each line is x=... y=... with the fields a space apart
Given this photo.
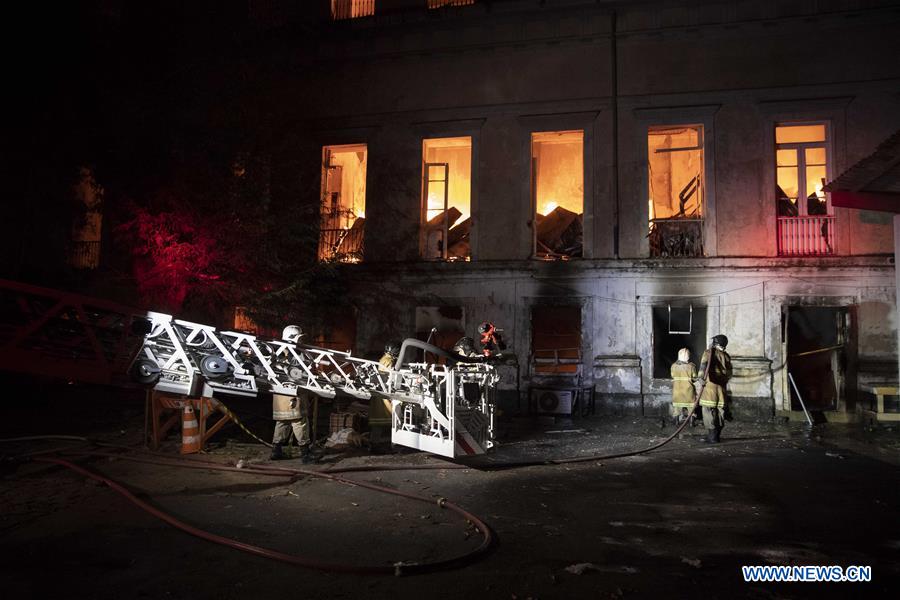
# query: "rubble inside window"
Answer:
x=557 y=187
x=446 y=204
x=556 y=340
x=343 y=206
x=675 y=175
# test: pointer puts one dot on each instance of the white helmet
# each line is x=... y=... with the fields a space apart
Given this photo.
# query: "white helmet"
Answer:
x=292 y=333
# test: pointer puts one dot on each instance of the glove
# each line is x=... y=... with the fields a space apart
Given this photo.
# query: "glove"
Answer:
x=726 y=414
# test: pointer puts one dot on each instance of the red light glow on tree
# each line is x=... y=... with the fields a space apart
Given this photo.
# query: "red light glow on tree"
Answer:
x=174 y=256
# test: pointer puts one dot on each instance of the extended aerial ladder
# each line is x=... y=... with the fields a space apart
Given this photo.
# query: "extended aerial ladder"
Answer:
x=444 y=408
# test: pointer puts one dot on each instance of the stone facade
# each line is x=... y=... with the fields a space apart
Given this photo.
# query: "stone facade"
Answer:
x=499 y=71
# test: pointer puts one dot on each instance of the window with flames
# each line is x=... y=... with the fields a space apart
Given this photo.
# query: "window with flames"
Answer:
x=675 y=176
x=343 y=203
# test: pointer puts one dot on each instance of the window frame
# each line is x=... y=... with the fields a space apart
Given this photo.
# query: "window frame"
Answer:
x=832 y=110
x=699 y=318
x=323 y=167
x=701 y=145
x=470 y=128
x=423 y=216
x=532 y=191
x=802 y=210
x=704 y=116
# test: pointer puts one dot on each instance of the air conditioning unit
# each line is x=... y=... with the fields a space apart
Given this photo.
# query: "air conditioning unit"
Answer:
x=552 y=402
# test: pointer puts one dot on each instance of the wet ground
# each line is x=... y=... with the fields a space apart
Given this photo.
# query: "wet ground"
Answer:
x=678 y=522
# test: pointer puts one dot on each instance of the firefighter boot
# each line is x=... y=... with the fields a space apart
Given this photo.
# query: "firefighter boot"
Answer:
x=716 y=433
x=277 y=453
x=306 y=457
x=710 y=437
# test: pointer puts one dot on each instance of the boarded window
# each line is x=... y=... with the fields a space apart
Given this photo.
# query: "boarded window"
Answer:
x=447 y=193
x=556 y=339
x=675 y=176
x=557 y=187
x=675 y=327
x=343 y=207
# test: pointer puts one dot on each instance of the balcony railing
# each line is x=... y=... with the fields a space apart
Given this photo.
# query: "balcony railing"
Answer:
x=676 y=238
x=351 y=9
x=805 y=236
x=341 y=245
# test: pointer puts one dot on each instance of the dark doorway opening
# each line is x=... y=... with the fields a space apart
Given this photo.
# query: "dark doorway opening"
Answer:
x=815 y=345
x=674 y=328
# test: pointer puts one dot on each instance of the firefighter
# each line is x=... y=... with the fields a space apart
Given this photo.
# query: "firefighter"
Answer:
x=491 y=341
x=391 y=352
x=713 y=400
x=683 y=374
x=380 y=408
x=291 y=413
x=465 y=346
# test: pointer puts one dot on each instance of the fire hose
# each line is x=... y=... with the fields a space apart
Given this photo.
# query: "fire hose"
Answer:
x=564 y=461
x=398 y=568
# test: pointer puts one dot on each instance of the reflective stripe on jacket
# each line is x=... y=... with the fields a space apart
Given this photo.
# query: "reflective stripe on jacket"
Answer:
x=287 y=408
x=683 y=374
x=719 y=373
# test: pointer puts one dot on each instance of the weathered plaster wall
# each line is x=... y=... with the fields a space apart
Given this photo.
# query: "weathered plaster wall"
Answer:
x=735 y=67
x=507 y=69
x=617 y=331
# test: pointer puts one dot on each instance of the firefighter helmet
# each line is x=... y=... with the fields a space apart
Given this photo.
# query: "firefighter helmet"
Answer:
x=485 y=327
x=392 y=348
x=292 y=333
x=720 y=340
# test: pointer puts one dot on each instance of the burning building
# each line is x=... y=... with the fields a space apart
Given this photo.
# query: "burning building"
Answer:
x=608 y=182
x=613 y=181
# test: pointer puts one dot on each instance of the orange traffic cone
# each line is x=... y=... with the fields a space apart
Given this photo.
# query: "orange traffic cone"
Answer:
x=190 y=431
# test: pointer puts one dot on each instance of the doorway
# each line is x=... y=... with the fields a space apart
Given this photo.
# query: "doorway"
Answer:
x=816 y=341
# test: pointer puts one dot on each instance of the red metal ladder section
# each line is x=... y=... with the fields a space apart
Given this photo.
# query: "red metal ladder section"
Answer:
x=59 y=334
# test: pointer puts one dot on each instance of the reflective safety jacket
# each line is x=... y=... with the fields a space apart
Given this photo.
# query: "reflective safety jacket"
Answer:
x=386 y=362
x=287 y=408
x=719 y=373
x=683 y=375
